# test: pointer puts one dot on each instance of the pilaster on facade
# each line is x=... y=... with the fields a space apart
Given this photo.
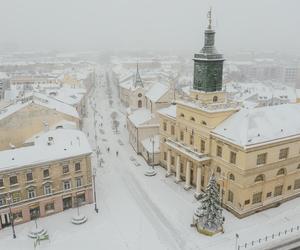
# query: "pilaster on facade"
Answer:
x=168 y=164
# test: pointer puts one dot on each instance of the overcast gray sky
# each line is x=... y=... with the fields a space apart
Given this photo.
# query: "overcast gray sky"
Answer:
x=150 y=24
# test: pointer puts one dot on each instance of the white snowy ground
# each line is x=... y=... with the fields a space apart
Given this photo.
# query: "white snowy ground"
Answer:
x=138 y=212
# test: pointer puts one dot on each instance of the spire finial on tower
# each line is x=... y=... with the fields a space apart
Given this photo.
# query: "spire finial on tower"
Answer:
x=209 y=18
x=138 y=79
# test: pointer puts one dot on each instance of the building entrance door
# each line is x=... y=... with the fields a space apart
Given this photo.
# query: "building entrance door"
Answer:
x=67 y=203
x=5 y=220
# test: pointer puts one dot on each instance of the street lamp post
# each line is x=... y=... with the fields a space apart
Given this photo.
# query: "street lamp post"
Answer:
x=11 y=217
x=151 y=171
x=95 y=196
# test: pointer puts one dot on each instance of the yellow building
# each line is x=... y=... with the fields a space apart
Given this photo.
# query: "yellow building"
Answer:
x=51 y=176
x=31 y=115
x=253 y=152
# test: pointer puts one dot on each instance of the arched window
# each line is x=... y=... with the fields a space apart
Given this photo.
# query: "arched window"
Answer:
x=215 y=98
x=281 y=171
x=231 y=177
x=140 y=104
x=181 y=115
x=259 y=178
x=218 y=170
x=192 y=119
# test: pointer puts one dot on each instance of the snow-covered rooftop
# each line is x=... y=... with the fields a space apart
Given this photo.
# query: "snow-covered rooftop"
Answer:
x=39 y=99
x=250 y=127
x=156 y=91
x=64 y=143
x=140 y=116
x=169 y=111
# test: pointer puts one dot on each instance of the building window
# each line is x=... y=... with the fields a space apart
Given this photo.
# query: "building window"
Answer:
x=289 y=187
x=297 y=184
x=298 y=167
x=231 y=177
x=49 y=207
x=192 y=119
x=140 y=104
x=47 y=189
x=283 y=153
x=29 y=176
x=259 y=178
x=182 y=115
x=232 y=157
x=13 y=180
x=46 y=173
x=257 y=198
x=2 y=200
x=172 y=160
x=165 y=156
x=261 y=159
x=165 y=126
x=16 y=196
x=218 y=170
x=278 y=190
x=65 y=169
x=230 y=196
x=219 y=151
x=215 y=99
x=281 y=171
x=247 y=202
x=204 y=123
x=1 y=183
x=140 y=95
x=31 y=193
x=77 y=166
x=269 y=194
x=172 y=130
x=67 y=185
x=191 y=139
x=181 y=135
x=78 y=182
x=202 y=146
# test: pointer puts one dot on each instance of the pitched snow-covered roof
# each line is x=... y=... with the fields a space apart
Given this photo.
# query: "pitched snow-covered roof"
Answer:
x=250 y=127
x=169 y=111
x=39 y=99
x=140 y=116
x=65 y=143
x=156 y=91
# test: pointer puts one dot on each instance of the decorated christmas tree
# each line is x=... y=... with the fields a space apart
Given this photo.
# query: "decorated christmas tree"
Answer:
x=208 y=216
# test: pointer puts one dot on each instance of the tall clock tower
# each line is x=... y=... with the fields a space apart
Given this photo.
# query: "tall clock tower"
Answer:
x=208 y=64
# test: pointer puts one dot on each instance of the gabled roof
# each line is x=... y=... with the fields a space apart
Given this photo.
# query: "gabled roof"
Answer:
x=255 y=126
x=157 y=91
x=141 y=116
x=39 y=99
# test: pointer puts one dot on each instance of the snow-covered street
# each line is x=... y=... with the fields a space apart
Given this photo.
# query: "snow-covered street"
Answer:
x=137 y=212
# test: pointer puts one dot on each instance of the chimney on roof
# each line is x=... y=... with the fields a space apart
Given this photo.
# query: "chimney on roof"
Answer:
x=50 y=140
